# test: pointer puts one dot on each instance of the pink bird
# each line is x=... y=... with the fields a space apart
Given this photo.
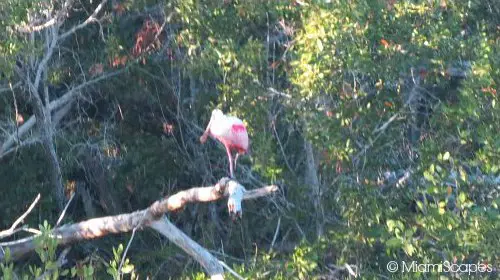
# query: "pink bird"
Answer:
x=231 y=132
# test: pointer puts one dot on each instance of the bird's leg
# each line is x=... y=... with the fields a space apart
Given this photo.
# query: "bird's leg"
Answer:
x=230 y=157
x=236 y=160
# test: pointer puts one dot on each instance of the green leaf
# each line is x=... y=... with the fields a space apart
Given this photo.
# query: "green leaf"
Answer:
x=446 y=156
x=409 y=249
x=420 y=205
x=428 y=176
x=319 y=44
x=390 y=225
x=394 y=243
x=127 y=268
x=462 y=197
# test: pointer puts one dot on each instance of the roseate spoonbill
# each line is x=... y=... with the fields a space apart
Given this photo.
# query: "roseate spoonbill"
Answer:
x=231 y=132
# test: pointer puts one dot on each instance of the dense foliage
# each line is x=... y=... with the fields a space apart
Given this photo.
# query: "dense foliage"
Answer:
x=378 y=119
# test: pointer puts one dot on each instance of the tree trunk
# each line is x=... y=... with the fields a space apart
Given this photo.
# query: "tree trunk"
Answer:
x=47 y=138
x=311 y=179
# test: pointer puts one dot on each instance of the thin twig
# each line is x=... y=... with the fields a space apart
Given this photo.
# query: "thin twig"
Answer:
x=10 y=231
x=226 y=256
x=10 y=87
x=90 y=19
x=64 y=210
x=351 y=271
x=31 y=230
x=234 y=273
x=386 y=124
x=282 y=149
x=128 y=245
x=275 y=234
x=57 y=19
x=53 y=105
x=126 y=251
x=19 y=229
x=377 y=132
x=16 y=116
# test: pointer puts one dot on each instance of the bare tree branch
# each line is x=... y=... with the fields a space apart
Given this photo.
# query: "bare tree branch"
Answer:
x=23 y=129
x=58 y=18
x=26 y=143
x=63 y=213
x=36 y=28
x=275 y=235
x=92 y=18
x=100 y=227
x=231 y=270
x=126 y=251
x=55 y=104
x=72 y=93
x=10 y=87
x=11 y=230
x=45 y=60
x=61 y=113
x=197 y=252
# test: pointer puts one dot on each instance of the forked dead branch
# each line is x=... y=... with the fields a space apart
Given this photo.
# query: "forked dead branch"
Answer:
x=152 y=217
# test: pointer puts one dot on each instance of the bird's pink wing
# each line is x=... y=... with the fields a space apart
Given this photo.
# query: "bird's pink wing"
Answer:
x=239 y=137
x=232 y=132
